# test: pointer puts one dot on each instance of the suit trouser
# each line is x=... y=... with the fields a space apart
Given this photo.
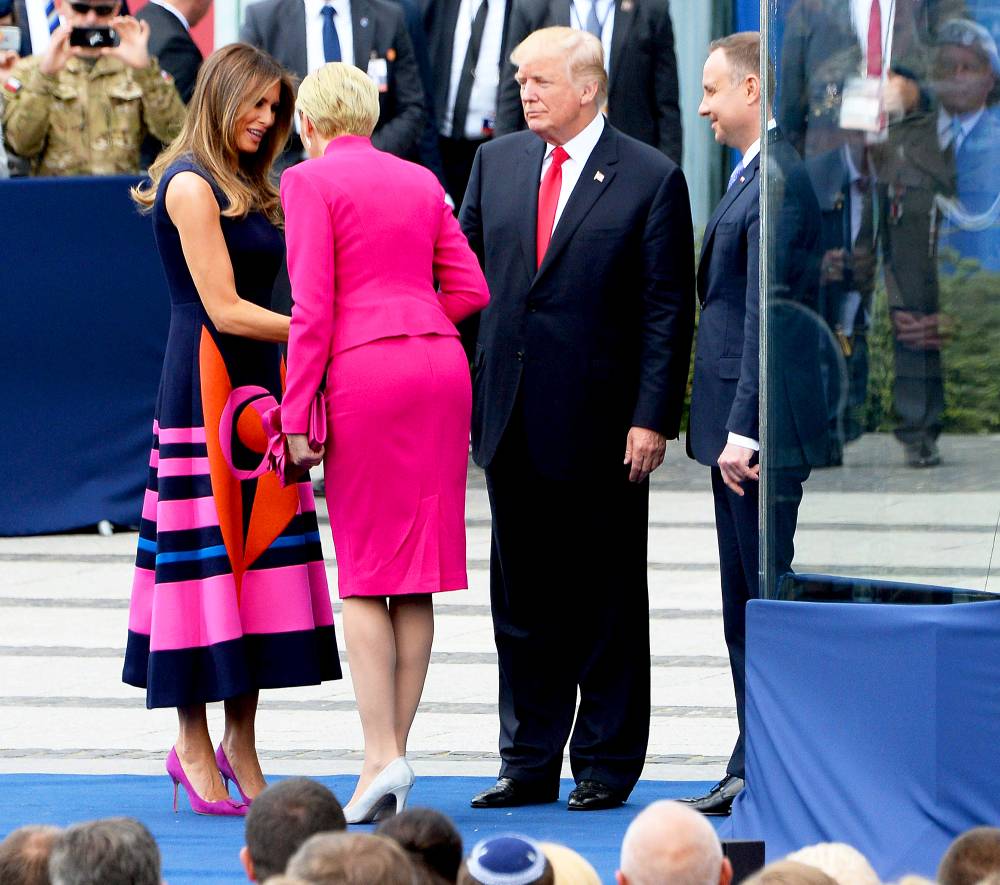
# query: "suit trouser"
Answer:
x=570 y=612
x=918 y=395
x=737 y=527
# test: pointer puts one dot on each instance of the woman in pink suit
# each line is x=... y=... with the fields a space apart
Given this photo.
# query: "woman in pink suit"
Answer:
x=369 y=240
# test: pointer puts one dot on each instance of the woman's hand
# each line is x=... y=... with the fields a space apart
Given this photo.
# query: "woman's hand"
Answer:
x=302 y=454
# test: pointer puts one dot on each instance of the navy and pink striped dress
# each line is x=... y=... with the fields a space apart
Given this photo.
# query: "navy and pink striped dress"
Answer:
x=230 y=593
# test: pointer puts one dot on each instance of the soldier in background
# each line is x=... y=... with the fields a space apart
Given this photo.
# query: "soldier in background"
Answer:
x=863 y=67
x=76 y=111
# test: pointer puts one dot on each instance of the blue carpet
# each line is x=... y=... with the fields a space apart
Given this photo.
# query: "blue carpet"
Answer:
x=204 y=849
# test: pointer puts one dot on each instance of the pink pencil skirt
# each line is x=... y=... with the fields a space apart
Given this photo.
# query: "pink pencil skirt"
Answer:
x=398 y=413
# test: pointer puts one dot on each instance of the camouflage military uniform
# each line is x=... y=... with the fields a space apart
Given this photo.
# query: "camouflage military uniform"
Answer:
x=91 y=117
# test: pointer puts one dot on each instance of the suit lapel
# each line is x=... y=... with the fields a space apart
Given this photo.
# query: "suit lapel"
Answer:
x=526 y=181
x=748 y=178
x=363 y=32
x=504 y=51
x=559 y=13
x=294 y=14
x=589 y=188
x=446 y=49
x=622 y=28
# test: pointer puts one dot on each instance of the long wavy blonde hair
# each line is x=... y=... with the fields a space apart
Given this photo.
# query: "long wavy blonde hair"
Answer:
x=229 y=82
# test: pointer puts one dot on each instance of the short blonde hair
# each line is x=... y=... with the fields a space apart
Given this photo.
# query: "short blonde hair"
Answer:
x=339 y=99
x=569 y=867
x=583 y=52
x=841 y=862
x=789 y=872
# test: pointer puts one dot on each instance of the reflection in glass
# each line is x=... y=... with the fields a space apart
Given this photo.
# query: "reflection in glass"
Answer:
x=882 y=345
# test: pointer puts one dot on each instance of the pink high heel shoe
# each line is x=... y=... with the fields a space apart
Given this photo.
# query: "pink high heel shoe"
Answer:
x=199 y=805
x=226 y=770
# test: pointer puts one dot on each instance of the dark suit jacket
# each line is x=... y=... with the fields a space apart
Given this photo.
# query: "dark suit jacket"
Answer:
x=439 y=22
x=642 y=85
x=279 y=26
x=426 y=152
x=831 y=181
x=726 y=387
x=598 y=339
x=21 y=10
x=173 y=47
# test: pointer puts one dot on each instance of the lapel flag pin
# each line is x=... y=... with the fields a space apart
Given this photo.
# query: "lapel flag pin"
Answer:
x=598 y=176
x=627 y=5
x=364 y=22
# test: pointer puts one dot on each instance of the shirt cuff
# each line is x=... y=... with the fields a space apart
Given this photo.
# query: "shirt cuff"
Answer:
x=744 y=441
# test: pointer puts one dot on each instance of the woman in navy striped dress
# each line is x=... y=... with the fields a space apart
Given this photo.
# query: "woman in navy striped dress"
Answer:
x=230 y=593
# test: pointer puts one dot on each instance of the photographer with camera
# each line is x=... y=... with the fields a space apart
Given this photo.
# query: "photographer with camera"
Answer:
x=84 y=106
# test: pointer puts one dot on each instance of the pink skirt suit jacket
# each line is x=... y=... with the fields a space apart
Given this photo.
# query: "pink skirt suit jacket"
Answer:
x=370 y=238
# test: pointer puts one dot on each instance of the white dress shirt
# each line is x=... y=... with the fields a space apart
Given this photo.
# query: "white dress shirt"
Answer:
x=579 y=148
x=861 y=11
x=579 y=12
x=315 y=58
x=173 y=11
x=483 y=99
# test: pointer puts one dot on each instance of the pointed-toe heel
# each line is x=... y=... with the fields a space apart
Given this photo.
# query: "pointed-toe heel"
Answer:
x=226 y=770
x=227 y=807
x=385 y=796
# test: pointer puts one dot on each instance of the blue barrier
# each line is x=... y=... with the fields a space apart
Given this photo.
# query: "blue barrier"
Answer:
x=873 y=725
x=85 y=315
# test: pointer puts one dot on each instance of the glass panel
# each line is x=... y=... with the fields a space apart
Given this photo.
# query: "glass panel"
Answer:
x=881 y=329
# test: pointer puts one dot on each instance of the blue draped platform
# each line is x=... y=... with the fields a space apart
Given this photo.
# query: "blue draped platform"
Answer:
x=204 y=849
x=85 y=314
x=875 y=725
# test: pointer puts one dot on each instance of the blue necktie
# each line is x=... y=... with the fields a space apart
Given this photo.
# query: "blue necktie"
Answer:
x=737 y=172
x=594 y=24
x=331 y=42
x=957 y=135
x=50 y=16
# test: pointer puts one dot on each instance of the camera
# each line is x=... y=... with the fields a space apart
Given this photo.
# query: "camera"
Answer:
x=93 y=38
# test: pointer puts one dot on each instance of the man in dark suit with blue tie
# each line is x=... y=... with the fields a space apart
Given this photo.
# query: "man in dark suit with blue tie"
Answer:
x=724 y=425
x=579 y=378
x=370 y=34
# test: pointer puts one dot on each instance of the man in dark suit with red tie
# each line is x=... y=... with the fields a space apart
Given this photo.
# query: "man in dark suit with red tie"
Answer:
x=579 y=378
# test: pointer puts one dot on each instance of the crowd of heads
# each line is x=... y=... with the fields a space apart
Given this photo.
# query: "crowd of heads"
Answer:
x=296 y=835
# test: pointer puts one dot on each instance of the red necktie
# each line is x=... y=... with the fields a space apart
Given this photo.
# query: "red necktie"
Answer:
x=548 y=199
x=875 y=40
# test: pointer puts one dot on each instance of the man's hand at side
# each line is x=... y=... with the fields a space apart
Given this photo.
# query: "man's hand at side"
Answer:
x=644 y=452
x=734 y=462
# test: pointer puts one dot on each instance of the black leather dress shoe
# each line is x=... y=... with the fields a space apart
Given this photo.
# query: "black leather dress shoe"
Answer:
x=718 y=800
x=507 y=792
x=593 y=796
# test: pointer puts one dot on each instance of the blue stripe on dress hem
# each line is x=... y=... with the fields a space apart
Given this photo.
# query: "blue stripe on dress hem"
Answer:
x=220 y=550
x=186 y=555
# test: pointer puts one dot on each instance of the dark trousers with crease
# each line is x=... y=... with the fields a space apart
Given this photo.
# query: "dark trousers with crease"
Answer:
x=570 y=613
x=736 y=525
